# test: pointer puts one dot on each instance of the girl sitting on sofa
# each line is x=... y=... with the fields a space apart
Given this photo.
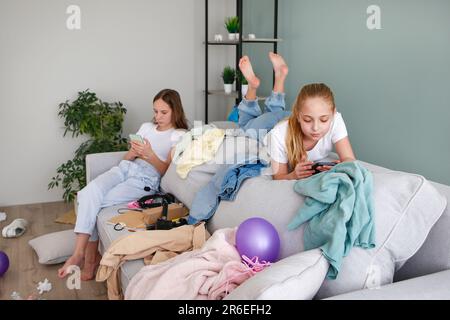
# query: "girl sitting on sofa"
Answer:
x=310 y=132
x=137 y=175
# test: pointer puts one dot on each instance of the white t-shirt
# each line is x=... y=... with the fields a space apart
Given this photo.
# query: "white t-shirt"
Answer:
x=276 y=145
x=161 y=141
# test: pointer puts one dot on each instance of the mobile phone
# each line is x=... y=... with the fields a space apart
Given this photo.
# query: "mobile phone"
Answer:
x=136 y=138
x=320 y=164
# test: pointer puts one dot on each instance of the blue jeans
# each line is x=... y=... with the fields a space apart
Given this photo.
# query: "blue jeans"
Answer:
x=121 y=184
x=257 y=124
x=224 y=185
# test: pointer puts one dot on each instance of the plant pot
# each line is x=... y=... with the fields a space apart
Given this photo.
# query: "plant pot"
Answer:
x=236 y=36
x=232 y=36
x=244 y=89
x=228 y=87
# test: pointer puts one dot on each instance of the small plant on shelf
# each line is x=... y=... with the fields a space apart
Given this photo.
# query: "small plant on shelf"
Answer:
x=244 y=83
x=232 y=25
x=228 y=76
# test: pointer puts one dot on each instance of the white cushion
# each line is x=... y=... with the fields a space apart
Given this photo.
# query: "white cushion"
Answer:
x=54 y=247
x=297 y=277
x=406 y=208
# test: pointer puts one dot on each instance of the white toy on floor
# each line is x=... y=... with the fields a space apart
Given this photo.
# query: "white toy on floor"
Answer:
x=44 y=286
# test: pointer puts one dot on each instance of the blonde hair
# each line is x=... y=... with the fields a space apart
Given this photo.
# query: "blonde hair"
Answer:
x=294 y=139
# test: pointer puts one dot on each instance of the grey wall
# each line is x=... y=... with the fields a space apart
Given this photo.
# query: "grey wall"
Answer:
x=392 y=85
x=125 y=50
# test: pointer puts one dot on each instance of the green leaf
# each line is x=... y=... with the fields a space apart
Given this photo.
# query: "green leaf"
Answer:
x=102 y=123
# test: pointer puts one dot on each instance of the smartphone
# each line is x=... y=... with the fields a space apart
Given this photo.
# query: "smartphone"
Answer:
x=136 y=138
x=320 y=164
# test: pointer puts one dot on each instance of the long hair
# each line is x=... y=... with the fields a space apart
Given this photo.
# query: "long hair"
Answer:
x=172 y=98
x=294 y=139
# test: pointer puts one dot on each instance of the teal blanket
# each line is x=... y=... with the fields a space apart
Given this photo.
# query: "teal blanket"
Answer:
x=339 y=208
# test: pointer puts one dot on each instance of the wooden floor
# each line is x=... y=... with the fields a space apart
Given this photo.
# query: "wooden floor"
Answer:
x=25 y=272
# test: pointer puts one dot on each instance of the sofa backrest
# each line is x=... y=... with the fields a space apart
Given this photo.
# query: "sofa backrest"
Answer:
x=434 y=255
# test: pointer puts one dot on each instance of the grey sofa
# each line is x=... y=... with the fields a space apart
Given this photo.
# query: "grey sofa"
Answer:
x=424 y=274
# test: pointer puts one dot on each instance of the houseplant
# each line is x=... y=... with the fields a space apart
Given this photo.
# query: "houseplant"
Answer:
x=232 y=26
x=102 y=123
x=243 y=82
x=228 y=76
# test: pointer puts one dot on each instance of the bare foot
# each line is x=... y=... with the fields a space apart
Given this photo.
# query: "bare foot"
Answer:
x=90 y=268
x=279 y=65
x=247 y=71
x=74 y=260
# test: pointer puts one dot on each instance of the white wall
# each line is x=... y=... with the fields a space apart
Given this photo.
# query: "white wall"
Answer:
x=125 y=50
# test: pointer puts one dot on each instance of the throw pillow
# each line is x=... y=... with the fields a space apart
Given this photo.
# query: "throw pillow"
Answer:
x=297 y=277
x=54 y=248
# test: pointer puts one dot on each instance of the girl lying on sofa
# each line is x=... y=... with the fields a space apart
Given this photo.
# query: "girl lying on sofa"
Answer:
x=309 y=133
x=137 y=175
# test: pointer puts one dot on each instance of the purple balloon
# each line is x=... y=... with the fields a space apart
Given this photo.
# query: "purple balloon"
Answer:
x=257 y=237
x=4 y=263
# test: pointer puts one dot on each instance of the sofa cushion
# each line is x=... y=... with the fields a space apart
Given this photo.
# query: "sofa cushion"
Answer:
x=434 y=255
x=430 y=287
x=300 y=276
x=107 y=235
x=55 y=247
x=406 y=208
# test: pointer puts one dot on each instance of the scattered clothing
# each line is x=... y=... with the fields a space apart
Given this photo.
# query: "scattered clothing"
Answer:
x=234 y=115
x=154 y=246
x=340 y=211
x=186 y=140
x=211 y=272
x=198 y=151
x=135 y=204
x=15 y=229
x=224 y=185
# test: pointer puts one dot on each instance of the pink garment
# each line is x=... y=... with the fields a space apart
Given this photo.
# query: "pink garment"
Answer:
x=135 y=204
x=211 y=272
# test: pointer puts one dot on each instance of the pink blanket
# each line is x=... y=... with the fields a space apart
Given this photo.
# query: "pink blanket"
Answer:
x=207 y=273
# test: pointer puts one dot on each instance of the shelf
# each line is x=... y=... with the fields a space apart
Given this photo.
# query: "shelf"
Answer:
x=261 y=40
x=244 y=40
x=233 y=94
x=238 y=45
x=223 y=43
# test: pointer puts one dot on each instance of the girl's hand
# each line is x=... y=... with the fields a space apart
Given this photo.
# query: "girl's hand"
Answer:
x=143 y=150
x=326 y=168
x=303 y=170
x=133 y=151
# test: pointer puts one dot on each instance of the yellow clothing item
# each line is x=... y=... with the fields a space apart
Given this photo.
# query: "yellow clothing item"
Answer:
x=200 y=151
x=154 y=246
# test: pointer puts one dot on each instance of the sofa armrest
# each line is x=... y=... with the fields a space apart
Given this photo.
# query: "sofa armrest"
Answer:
x=98 y=163
x=435 y=286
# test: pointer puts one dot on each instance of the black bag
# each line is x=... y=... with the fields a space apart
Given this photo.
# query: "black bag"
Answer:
x=161 y=199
